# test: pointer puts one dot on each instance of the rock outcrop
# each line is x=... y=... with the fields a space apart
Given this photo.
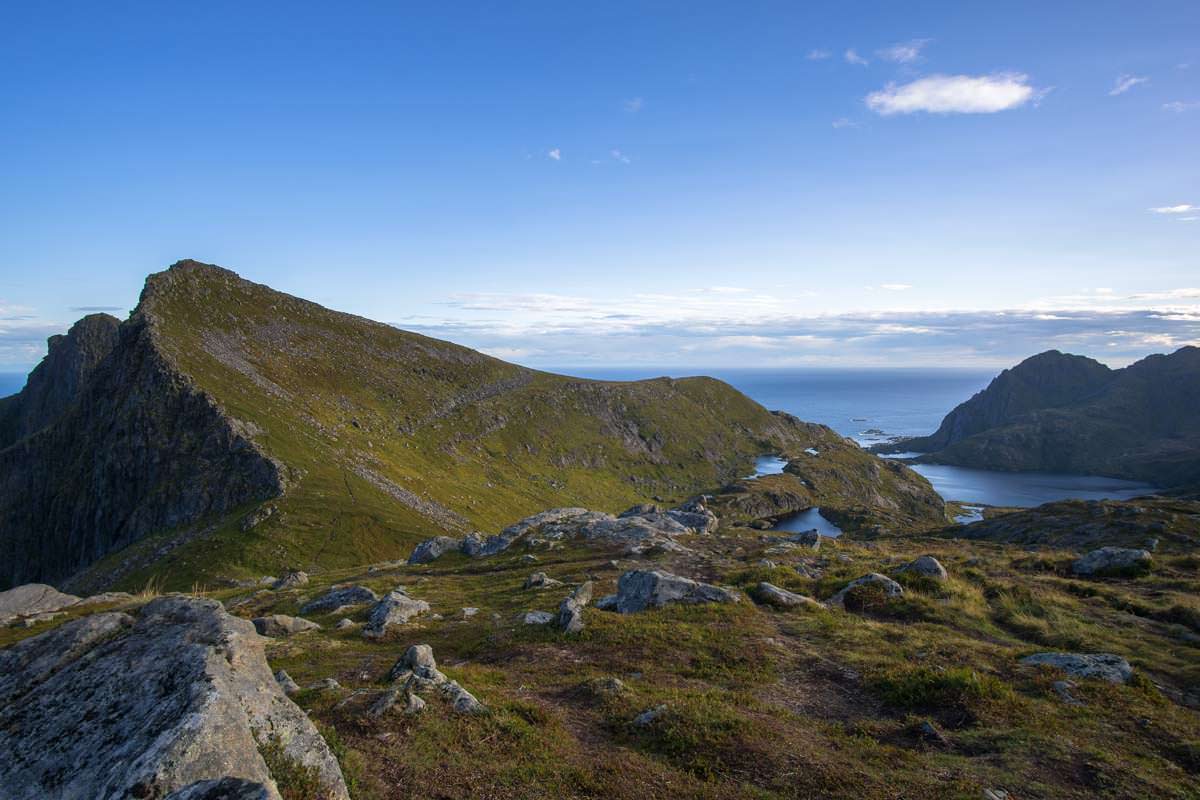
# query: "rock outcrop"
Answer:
x=1105 y=666
x=338 y=598
x=1113 y=562
x=109 y=706
x=393 y=609
x=771 y=595
x=281 y=626
x=32 y=600
x=638 y=590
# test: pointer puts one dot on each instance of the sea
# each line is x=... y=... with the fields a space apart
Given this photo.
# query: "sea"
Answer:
x=876 y=405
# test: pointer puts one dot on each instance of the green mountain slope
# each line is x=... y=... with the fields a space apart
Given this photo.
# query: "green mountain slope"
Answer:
x=221 y=394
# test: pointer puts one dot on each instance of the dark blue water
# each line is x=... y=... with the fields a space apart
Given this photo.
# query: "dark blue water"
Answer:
x=873 y=405
x=807 y=520
x=11 y=383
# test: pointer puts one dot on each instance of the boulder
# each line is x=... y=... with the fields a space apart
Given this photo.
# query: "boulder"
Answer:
x=434 y=548
x=537 y=617
x=867 y=583
x=1105 y=666
x=396 y=608
x=539 y=580
x=109 y=707
x=32 y=599
x=286 y=683
x=641 y=510
x=291 y=580
x=1113 y=561
x=638 y=590
x=698 y=520
x=461 y=700
x=281 y=626
x=649 y=717
x=338 y=598
x=806 y=539
x=926 y=566
x=570 y=611
x=771 y=595
x=417 y=659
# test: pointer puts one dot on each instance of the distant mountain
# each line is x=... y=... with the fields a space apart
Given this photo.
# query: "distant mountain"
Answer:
x=227 y=429
x=1059 y=412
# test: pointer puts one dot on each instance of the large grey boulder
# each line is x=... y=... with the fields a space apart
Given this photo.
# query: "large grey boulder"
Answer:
x=108 y=708
x=1113 y=561
x=338 y=598
x=432 y=549
x=638 y=590
x=872 y=582
x=396 y=608
x=926 y=566
x=771 y=595
x=32 y=599
x=1105 y=666
x=290 y=580
x=281 y=626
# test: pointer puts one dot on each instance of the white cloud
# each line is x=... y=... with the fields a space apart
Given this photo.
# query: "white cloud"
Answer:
x=954 y=94
x=1180 y=106
x=895 y=287
x=619 y=156
x=555 y=154
x=903 y=52
x=1188 y=219
x=853 y=57
x=843 y=122
x=1126 y=82
x=634 y=104
x=1182 y=208
x=818 y=55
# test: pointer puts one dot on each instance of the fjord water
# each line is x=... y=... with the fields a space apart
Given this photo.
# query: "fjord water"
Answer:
x=874 y=405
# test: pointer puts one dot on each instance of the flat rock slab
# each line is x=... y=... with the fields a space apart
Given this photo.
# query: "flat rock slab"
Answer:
x=336 y=599
x=771 y=595
x=108 y=707
x=281 y=626
x=32 y=599
x=1105 y=666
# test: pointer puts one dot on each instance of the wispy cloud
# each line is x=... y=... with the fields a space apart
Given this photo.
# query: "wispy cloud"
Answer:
x=634 y=105
x=617 y=155
x=852 y=57
x=954 y=94
x=1180 y=106
x=97 y=309
x=554 y=155
x=843 y=122
x=1182 y=208
x=903 y=52
x=818 y=55
x=1126 y=82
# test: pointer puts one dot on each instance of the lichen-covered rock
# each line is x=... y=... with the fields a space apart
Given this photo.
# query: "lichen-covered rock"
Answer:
x=281 y=626
x=772 y=595
x=395 y=608
x=537 y=618
x=539 y=580
x=570 y=611
x=1105 y=666
x=638 y=590
x=108 y=708
x=926 y=566
x=32 y=599
x=338 y=598
x=867 y=584
x=1113 y=561
x=432 y=549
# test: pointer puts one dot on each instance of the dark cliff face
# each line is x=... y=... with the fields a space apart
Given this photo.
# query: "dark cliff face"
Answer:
x=118 y=447
x=55 y=383
x=1047 y=380
x=1065 y=413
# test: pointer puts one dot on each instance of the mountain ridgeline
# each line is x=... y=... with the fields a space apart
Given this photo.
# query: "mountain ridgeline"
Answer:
x=1067 y=413
x=227 y=429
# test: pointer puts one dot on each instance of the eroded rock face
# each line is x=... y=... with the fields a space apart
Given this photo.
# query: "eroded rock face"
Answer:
x=638 y=590
x=1105 y=666
x=1113 y=561
x=109 y=707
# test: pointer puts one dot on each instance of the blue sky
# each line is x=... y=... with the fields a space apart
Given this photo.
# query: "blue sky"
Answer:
x=685 y=184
